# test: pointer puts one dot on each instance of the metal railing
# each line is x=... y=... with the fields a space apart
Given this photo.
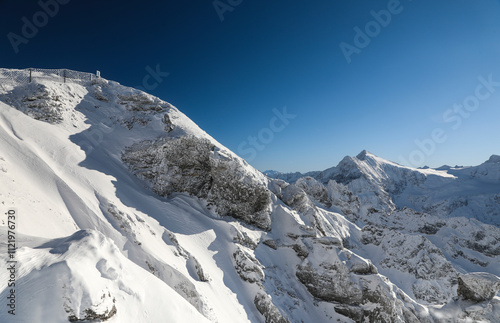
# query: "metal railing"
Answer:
x=28 y=75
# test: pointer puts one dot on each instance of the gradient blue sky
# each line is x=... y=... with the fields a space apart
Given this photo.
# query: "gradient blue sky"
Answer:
x=229 y=75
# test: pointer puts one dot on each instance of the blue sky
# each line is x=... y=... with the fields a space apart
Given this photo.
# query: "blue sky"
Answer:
x=232 y=76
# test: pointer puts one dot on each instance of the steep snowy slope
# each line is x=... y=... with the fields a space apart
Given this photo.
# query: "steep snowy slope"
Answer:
x=128 y=212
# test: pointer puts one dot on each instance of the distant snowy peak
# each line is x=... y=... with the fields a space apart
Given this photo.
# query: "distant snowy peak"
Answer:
x=272 y=173
x=494 y=159
x=374 y=169
x=377 y=168
x=489 y=170
x=362 y=155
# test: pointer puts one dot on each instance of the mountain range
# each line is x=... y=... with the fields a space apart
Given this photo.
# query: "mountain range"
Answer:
x=127 y=211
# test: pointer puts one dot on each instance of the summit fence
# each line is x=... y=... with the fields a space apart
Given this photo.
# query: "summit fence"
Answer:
x=29 y=75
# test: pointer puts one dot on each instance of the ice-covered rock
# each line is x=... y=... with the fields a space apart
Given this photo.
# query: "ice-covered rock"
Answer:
x=196 y=166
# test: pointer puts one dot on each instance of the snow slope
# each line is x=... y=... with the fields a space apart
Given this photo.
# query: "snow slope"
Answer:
x=128 y=212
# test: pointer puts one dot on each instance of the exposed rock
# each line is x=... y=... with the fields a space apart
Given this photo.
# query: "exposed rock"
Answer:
x=270 y=243
x=169 y=125
x=243 y=239
x=372 y=234
x=100 y=312
x=478 y=287
x=429 y=229
x=334 y=285
x=91 y=315
x=300 y=250
x=195 y=166
x=248 y=267
x=352 y=283
x=195 y=266
x=266 y=307
x=434 y=275
x=367 y=298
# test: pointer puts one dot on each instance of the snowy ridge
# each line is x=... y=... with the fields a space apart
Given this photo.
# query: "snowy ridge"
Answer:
x=129 y=212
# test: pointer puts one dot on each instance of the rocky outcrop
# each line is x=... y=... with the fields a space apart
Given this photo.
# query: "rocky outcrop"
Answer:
x=478 y=287
x=91 y=315
x=265 y=306
x=433 y=275
x=196 y=166
x=296 y=198
x=248 y=267
x=314 y=189
x=351 y=282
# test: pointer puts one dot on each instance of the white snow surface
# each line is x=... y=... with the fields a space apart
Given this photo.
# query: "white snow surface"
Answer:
x=93 y=238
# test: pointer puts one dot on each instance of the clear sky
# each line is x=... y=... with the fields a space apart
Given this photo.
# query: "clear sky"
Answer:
x=290 y=85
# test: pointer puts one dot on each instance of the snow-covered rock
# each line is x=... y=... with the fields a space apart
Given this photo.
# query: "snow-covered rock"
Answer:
x=196 y=166
x=478 y=287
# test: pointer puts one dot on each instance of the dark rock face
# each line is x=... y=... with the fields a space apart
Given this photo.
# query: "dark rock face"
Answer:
x=334 y=285
x=266 y=307
x=195 y=166
x=247 y=267
x=91 y=315
x=478 y=287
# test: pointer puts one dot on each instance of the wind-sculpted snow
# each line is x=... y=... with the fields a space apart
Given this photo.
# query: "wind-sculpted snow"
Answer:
x=84 y=277
x=131 y=213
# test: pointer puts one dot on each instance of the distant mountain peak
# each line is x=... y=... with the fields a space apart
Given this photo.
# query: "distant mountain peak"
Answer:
x=494 y=159
x=362 y=155
x=271 y=172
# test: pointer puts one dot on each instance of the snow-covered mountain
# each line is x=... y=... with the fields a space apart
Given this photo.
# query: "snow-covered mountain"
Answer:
x=126 y=211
